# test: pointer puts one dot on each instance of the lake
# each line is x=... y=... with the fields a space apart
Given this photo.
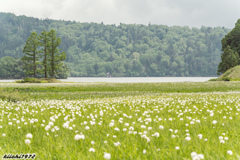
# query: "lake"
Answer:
x=131 y=79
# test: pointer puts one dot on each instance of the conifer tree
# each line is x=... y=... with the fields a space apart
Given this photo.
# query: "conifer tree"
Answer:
x=31 y=55
x=44 y=43
x=55 y=56
x=229 y=60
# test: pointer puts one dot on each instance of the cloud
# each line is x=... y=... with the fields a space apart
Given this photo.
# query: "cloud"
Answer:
x=191 y=13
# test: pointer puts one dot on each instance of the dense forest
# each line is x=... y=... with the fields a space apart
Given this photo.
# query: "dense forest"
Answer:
x=123 y=50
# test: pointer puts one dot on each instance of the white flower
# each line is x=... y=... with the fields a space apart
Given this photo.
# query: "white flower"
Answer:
x=87 y=127
x=111 y=124
x=225 y=138
x=177 y=148
x=222 y=141
x=214 y=122
x=107 y=155
x=92 y=142
x=47 y=127
x=3 y=134
x=200 y=136
x=161 y=127
x=156 y=134
x=201 y=156
x=101 y=113
x=144 y=151
x=116 y=129
x=131 y=128
x=229 y=152
x=124 y=129
x=65 y=125
x=52 y=119
x=50 y=123
x=78 y=136
x=27 y=141
x=220 y=138
x=117 y=144
x=187 y=138
x=91 y=150
x=193 y=154
x=29 y=135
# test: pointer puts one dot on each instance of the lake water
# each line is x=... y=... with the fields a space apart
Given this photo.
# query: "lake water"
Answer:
x=132 y=79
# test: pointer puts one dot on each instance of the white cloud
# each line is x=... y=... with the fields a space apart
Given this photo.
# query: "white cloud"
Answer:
x=168 y=12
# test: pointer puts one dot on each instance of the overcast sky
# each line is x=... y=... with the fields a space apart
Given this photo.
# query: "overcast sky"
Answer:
x=193 y=13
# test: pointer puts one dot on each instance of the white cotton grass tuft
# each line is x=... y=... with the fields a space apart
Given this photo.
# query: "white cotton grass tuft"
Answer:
x=78 y=137
x=47 y=127
x=187 y=138
x=196 y=156
x=161 y=127
x=27 y=141
x=144 y=151
x=214 y=122
x=107 y=155
x=91 y=150
x=29 y=135
x=229 y=152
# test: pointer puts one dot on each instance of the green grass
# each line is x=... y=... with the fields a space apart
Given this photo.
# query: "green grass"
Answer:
x=177 y=107
x=75 y=91
x=232 y=74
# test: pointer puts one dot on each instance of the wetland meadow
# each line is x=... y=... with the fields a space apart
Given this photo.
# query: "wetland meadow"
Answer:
x=181 y=120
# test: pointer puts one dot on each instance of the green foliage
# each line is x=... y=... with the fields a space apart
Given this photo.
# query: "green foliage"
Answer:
x=51 y=58
x=38 y=80
x=13 y=96
x=10 y=68
x=55 y=57
x=231 y=50
x=229 y=60
x=44 y=42
x=124 y=50
x=31 y=55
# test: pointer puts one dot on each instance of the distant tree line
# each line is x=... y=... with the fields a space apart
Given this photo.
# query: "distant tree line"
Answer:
x=122 y=50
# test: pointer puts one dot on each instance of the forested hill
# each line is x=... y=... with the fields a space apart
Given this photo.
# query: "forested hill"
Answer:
x=123 y=50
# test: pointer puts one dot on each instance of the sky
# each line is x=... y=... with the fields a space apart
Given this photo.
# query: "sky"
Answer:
x=192 y=13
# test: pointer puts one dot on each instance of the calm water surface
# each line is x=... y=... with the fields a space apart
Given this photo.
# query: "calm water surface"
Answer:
x=132 y=79
x=137 y=79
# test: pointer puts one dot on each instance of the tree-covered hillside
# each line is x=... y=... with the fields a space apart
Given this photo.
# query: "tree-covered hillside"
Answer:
x=124 y=50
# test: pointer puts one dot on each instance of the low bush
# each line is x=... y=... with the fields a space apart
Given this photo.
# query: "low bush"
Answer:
x=38 y=80
x=226 y=78
x=13 y=96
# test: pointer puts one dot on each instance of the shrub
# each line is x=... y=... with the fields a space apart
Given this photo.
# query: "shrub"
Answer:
x=38 y=80
x=226 y=78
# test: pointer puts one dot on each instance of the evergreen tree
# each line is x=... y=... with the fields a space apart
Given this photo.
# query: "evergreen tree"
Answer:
x=44 y=42
x=229 y=60
x=55 y=56
x=231 y=50
x=31 y=56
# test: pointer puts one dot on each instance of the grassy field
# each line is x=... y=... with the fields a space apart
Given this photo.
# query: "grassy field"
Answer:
x=121 y=121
